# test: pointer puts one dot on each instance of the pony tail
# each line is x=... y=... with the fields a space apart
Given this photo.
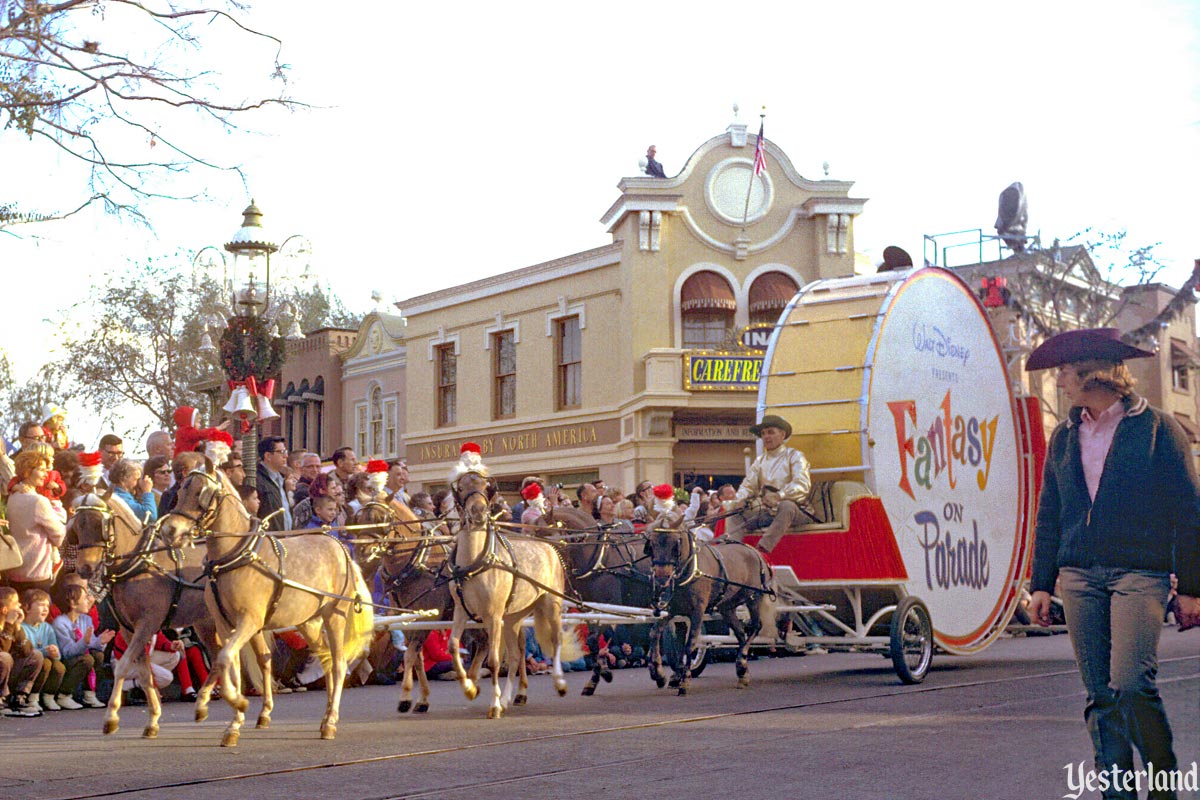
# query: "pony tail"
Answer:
x=767 y=602
x=543 y=631
x=360 y=627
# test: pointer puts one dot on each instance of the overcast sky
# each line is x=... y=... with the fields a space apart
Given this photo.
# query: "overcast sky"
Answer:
x=453 y=141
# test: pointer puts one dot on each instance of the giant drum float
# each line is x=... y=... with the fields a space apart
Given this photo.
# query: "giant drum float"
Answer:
x=897 y=380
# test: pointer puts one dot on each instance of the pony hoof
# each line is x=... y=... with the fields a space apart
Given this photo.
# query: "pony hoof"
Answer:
x=404 y=707
x=520 y=700
x=470 y=690
x=660 y=681
x=683 y=690
x=589 y=690
x=561 y=686
x=421 y=708
x=328 y=731
x=264 y=722
x=201 y=714
x=495 y=712
x=743 y=682
x=150 y=732
x=110 y=726
x=230 y=739
x=673 y=683
x=607 y=676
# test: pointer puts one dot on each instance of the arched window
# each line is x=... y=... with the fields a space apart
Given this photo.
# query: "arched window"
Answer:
x=376 y=405
x=303 y=412
x=769 y=295
x=707 y=306
x=289 y=417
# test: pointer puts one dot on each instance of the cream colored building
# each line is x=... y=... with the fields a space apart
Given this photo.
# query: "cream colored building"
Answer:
x=373 y=389
x=624 y=362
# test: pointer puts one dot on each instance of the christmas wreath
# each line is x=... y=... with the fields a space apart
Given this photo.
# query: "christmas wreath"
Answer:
x=248 y=348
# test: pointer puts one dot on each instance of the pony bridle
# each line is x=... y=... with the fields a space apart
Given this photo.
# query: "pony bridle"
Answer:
x=108 y=538
x=462 y=499
x=208 y=508
x=380 y=542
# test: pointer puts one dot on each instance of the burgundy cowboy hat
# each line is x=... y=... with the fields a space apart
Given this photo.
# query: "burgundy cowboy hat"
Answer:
x=1090 y=344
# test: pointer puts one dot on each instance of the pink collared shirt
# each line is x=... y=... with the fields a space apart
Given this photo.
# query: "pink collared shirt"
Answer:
x=1095 y=439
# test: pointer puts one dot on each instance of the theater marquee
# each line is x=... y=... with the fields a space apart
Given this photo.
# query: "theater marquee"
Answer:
x=721 y=372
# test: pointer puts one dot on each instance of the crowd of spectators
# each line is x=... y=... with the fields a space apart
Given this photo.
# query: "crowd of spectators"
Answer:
x=58 y=649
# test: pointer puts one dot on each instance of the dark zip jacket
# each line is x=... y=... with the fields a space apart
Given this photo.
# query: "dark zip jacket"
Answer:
x=1146 y=514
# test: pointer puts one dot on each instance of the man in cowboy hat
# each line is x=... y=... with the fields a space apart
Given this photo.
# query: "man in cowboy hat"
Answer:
x=774 y=490
x=1118 y=512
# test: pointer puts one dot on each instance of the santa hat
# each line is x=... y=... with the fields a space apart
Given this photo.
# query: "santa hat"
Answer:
x=664 y=498
x=534 y=498
x=217 y=447
x=90 y=468
x=377 y=470
x=469 y=460
x=185 y=417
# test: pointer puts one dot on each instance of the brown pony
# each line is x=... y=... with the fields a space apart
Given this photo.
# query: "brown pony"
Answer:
x=415 y=576
x=691 y=578
x=603 y=567
x=262 y=582
x=151 y=587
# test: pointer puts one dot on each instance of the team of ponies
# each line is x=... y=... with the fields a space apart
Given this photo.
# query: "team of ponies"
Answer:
x=472 y=568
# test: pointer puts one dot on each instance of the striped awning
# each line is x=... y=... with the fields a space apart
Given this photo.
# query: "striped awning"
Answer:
x=771 y=292
x=707 y=291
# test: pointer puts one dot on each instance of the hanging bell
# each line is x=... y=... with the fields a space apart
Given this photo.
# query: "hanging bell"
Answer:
x=239 y=402
x=265 y=412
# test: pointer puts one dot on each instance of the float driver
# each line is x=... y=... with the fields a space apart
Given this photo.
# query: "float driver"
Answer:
x=775 y=490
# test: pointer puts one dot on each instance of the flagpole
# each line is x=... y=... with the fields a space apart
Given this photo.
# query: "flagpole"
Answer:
x=762 y=118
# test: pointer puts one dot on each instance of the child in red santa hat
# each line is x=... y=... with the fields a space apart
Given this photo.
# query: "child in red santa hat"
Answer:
x=535 y=504
x=187 y=435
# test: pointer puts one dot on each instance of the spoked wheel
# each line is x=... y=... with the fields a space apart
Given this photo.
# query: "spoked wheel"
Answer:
x=911 y=640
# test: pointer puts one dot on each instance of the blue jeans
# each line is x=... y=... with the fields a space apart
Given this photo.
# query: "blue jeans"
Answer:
x=1115 y=617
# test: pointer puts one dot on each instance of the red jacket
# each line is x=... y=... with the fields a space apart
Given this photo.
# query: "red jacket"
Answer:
x=436 y=648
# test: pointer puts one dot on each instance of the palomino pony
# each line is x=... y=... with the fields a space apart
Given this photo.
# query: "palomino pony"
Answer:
x=415 y=576
x=151 y=587
x=310 y=583
x=693 y=577
x=498 y=580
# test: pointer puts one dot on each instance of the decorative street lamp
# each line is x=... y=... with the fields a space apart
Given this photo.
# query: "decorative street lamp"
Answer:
x=248 y=318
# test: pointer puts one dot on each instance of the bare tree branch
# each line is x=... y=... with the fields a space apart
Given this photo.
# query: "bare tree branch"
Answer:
x=56 y=85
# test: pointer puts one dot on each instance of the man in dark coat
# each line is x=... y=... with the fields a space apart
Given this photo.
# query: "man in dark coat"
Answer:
x=272 y=458
x=653 y=168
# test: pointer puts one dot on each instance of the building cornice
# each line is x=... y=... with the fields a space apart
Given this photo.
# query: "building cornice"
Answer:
x=574 y=264
x=391 y=324
x=372 y=364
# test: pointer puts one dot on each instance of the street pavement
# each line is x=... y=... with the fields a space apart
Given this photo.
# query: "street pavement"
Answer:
x=1002 y=724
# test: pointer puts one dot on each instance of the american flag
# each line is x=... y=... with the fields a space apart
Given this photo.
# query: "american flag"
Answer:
x=760 y=158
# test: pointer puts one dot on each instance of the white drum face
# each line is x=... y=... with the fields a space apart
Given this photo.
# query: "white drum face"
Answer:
x=945 y=455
